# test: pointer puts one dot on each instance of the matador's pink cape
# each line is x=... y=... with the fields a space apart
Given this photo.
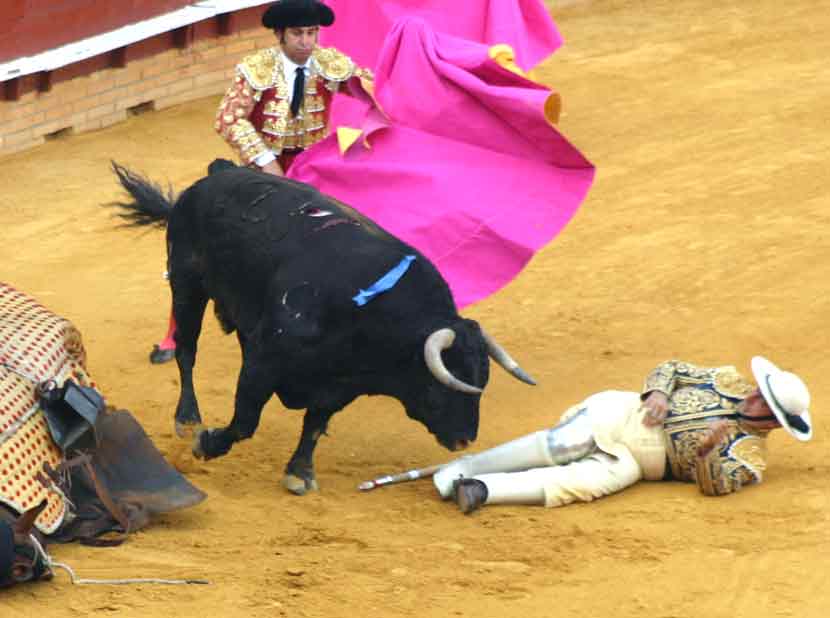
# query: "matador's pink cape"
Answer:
x=464 y=165
x=362 y=25
x=361 y=28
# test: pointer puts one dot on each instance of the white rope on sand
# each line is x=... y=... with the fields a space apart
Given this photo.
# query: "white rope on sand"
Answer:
x=47 y=559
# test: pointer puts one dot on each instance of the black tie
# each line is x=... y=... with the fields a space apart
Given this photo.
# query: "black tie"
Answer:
x=299 y=88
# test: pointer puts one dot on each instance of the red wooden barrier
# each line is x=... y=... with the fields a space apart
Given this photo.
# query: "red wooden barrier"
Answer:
x=28 y=27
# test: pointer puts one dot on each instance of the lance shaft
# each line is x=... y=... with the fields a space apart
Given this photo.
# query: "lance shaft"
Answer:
x=400 y=477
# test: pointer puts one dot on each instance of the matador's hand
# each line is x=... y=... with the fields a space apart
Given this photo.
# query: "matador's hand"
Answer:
x=273 y=168
x=657 y=407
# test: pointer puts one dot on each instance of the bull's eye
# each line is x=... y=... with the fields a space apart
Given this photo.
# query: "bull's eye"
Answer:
x=317 y=212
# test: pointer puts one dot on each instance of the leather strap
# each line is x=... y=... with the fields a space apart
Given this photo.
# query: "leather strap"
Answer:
x=104 y=496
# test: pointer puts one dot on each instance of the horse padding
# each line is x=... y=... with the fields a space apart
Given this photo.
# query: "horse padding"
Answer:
x=35 y=346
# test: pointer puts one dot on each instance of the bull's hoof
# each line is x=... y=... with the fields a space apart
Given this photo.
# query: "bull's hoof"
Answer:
x=198 y=445
x=298 y=486
x=210 y=443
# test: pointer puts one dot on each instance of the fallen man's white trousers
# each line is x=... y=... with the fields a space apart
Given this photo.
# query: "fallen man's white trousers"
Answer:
x=523 y=472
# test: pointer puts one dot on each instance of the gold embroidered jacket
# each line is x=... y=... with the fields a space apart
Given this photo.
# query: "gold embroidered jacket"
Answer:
x=699 y=396
x=254 y=115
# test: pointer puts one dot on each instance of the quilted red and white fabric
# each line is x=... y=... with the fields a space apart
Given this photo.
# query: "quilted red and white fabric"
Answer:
x=35 y=345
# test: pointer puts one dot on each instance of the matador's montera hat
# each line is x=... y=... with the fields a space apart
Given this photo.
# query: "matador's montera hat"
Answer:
x=297 y=14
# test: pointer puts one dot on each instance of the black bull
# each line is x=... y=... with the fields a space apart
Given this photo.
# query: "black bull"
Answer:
x=282 y=263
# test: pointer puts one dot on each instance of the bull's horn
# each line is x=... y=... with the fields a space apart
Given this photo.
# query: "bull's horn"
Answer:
x=435 y=343
x=498 y=354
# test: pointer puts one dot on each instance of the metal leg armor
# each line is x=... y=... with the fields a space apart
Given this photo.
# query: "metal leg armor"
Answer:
x=571 y=439
x=568 y=441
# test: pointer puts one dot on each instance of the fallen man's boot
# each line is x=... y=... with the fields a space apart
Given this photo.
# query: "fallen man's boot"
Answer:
x=529 y=451
x=469 y=494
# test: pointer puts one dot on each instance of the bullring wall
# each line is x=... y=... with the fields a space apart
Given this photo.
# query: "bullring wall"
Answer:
x=156 y=73
x=28 y=26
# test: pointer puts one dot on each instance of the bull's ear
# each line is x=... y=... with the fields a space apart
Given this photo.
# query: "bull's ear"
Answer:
x=24 y=524
x=297 y=313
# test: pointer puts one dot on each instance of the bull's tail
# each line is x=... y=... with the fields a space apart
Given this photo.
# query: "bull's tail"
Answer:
x=150 y=205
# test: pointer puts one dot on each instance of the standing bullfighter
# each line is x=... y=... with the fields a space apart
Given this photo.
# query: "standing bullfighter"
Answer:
x=278 y=103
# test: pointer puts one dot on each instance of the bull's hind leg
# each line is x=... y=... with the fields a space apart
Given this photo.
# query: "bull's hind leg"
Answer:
x=299 y=473
x=189 y=302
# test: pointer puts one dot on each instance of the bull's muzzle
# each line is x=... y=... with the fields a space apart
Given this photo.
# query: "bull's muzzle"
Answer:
x=460 y=445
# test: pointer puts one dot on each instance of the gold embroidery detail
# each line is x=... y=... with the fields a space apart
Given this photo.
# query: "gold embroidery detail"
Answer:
x=332 y=64
x=277 y=126
x=683 y=439
x=703 y=475
x=727 y=381
x=693 y=400
x=661 y=378
x=276 y=107
x=751 y=451
x=676 y=374
x=727 y=409
x=692 y=372
x=262 y=69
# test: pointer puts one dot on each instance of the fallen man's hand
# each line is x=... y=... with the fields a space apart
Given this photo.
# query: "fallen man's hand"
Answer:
x=712 y=438
x=657 y=407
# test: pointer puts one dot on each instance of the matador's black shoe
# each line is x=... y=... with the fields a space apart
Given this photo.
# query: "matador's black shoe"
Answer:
x=159 y=356
x=469 y=494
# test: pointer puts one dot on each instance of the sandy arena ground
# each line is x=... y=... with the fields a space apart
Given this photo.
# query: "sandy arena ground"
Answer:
x=704 y=238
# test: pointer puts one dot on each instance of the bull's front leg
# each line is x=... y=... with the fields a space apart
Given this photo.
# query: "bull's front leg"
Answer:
x=299 y=473
x=253 y=390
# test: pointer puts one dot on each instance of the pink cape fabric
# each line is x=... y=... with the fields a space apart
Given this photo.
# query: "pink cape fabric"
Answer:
x=361 y=27
x=463 y=165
